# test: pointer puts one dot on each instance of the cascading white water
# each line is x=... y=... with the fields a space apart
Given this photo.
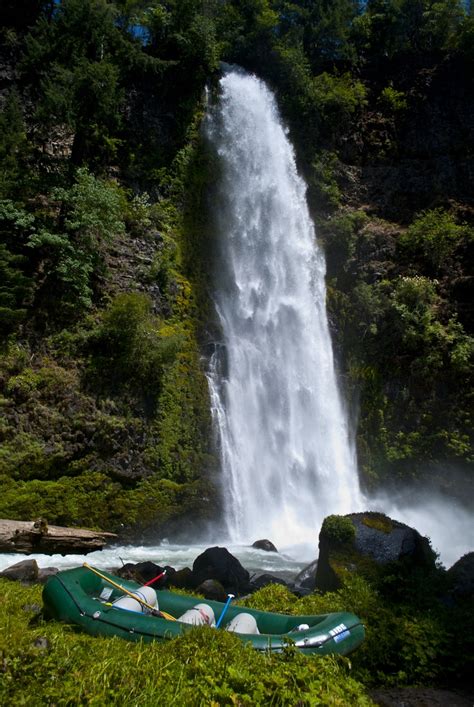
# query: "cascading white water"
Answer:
x=286 y=456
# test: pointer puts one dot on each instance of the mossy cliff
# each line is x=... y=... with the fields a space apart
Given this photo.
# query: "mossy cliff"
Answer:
x=105 y=249
x=105 y=410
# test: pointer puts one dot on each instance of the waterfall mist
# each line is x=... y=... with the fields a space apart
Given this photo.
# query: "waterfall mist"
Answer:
x=286 y=456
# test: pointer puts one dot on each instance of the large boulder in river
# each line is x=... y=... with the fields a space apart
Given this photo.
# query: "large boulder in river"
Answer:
x=368 y=543
x=218 y=563
x=266 y=545
x=307 y=577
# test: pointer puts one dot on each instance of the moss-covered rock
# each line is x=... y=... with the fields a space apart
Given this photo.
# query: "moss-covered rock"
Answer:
x=370 y=544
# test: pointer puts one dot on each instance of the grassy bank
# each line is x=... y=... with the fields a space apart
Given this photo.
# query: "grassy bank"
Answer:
x=46 y=663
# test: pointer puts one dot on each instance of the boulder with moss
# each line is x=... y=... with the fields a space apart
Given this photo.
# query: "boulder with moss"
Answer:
x=371 y=544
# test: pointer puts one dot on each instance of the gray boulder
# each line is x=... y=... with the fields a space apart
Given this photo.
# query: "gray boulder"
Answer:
x=212 y=589
x=266 y=545
x=44 y=573
x=24 y=571
x=366 y=543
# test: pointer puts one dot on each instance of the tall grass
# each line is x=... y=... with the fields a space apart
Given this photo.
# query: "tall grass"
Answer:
x=48 y=663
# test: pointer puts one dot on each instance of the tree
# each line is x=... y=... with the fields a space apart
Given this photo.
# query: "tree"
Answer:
x=325 y=28
x=13 y=146
x=71 y=63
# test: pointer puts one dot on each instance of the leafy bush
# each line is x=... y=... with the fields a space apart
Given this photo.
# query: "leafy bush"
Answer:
x=338 y=98
x=409 y=638
x=92 y=215
x=435 y=236
x=338 y=530
x=392 y=100
x=131 y=346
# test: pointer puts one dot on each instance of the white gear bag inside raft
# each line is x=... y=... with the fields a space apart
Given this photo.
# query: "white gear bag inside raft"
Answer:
x=243 y=623
x=132 y=603
x=199 y=615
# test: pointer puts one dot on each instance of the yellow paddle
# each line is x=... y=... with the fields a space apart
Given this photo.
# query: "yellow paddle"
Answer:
x=126 y=591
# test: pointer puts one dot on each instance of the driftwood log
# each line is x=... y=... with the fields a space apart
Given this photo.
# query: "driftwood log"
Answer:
x=37 y=536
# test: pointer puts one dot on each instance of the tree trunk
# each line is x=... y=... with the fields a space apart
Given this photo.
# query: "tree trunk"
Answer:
x=37 y=537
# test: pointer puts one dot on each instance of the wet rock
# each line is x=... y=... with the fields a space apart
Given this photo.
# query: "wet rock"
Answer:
x=44 y=573
x=212 y=589
x=262 y=580
x=32 y=608
x=387 y=540
x=307 y=577
x=218 y=563
x=182 y=579
x=24 y=571
x=141 y=572
x=266 y=545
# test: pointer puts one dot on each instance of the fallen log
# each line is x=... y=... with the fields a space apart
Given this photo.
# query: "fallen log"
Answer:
x=29 y=537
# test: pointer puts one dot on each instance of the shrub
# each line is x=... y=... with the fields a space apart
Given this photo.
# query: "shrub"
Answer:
x=338 y=529
x=131 y=346
x=338 y=98
x=434 y=236
x=392 y=100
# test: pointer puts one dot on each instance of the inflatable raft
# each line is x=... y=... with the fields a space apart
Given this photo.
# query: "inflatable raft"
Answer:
x=86 y=599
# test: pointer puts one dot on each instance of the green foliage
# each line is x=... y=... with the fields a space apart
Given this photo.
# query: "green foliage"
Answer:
x=435 y=236
x=91 y=499
x=338 y=530
x=94 y=209
x=131 y=347
x=203 y=667
x=414 y=27
x=391 y=100
x=338 y=98
x=409 y=639
x=14 y=289
x=324 y=181
x=92 y=215
x=13 y=147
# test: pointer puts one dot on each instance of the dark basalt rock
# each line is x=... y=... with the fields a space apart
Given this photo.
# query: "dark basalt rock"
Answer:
x=366 y=543
x=266 y=545
x=182 y=579
x=387 y=540
x=262 y=580
x=212 y=589
x=141 y=572
x=25 y=571
x=461 y=576
x=218 y=563
x=307 y=577
x=44 y=573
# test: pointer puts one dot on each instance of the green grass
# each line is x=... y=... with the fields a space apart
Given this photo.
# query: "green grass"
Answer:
x=205 y=667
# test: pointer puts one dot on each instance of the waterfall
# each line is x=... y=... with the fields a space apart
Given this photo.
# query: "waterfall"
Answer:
x=282 y=434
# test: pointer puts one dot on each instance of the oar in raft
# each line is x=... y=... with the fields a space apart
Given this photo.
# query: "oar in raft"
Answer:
x=130 y=594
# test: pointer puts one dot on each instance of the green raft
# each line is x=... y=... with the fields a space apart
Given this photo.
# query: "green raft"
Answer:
x=80 y=597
